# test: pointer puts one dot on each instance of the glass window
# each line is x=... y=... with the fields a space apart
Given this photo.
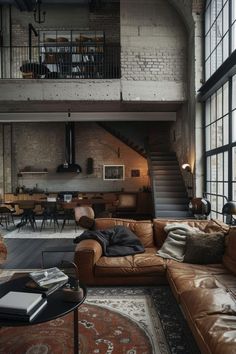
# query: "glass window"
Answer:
x=226 y=98
x=220 y=107
x=234 y=92
x=226 y=130
x=234 y=126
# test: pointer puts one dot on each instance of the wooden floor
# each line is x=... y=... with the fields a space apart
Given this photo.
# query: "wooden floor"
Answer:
x=27 y=253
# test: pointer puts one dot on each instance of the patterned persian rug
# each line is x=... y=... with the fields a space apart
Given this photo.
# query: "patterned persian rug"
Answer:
x=113 y=320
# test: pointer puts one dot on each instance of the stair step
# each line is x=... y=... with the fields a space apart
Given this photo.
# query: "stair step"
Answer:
x=170 y=200
x=179 y=207
x=173 y=214
x=167 y=168
x=171 y=159
x=155 y=160
x=164 y=172
x=167 y=177
x=168 y=182
x=155 y=156
x=168 y=188
x=173 y=195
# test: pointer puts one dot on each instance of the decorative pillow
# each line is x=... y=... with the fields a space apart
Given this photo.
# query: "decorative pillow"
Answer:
x=174 y=245
x=204 y=248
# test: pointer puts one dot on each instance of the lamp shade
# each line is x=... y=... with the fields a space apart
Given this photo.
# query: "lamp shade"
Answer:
x=200 y=206
x=229 y=208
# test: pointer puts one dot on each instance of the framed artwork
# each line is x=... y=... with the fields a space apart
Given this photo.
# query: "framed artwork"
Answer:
x=135 y=173
x=113 y=172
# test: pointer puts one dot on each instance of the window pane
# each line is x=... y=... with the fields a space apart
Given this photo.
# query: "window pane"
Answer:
x=213 y=108
x=234 y=92
x=208 y=68
x=226 y=130
x=207 y=46
x=208 y=176
x=208 y=138
x=213 y=136
x=219 y=139
x=226 y=98
x=219 y=25
x=213 y=169
x=234 y=164
x=234 y=126
x=233 y=44
x=208 y=111
x=220 y=168
x=234 y=191
x=233 y=10
x=225 y=47
x=219 y=103
x=226 y=177
x=226 y=18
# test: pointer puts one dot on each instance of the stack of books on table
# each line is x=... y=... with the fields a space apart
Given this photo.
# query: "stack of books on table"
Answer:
x=47 y=280
x=21 y=306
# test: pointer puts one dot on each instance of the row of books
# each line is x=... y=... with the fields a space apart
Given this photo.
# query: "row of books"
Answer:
x=26 y=305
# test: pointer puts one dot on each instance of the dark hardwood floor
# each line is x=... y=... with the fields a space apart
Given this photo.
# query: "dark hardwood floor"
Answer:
x=27 y=253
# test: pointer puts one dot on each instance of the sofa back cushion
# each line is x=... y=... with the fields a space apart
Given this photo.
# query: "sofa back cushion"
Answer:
x=229 y=258
x=142 y=229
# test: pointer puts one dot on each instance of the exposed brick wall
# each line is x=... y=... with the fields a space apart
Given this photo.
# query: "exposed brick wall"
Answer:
x=41 y=145
x=153 y=42
x=154 y=65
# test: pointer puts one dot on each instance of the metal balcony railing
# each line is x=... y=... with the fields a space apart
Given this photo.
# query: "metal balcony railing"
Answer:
x=64 y=62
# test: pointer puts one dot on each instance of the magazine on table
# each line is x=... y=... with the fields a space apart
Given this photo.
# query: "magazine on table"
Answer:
x=48 y=276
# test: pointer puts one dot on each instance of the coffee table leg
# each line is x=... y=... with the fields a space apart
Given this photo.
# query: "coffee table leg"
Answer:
x=76 y=332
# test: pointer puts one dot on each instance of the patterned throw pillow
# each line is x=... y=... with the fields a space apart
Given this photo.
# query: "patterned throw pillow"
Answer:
x=204 y=248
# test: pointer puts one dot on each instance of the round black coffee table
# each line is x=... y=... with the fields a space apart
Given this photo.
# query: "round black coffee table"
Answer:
x=56 y=307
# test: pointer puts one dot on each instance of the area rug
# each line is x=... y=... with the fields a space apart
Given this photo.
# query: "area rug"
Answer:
x=113 y=320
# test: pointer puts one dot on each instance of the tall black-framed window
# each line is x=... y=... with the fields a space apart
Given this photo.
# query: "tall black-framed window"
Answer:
x=220 y=104
x=220 y=33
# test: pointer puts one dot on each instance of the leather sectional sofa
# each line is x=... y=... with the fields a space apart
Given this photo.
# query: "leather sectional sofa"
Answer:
x=206 y=293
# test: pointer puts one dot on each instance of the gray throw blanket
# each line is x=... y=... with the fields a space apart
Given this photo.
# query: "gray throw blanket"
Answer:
x=117 y=241
x=174 y=245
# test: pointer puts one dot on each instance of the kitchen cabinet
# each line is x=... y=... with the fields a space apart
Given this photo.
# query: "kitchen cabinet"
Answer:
x=72 y=54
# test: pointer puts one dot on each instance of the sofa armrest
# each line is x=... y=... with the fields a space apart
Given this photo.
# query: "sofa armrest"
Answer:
x=87 y=253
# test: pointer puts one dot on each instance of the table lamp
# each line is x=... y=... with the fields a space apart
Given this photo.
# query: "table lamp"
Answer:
x=229 y=209
x=200 y=207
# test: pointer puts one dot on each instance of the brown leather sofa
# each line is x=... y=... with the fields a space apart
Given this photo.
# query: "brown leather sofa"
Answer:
x=206 y=293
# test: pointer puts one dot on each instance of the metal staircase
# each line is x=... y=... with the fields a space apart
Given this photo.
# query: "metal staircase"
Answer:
x=169 y=192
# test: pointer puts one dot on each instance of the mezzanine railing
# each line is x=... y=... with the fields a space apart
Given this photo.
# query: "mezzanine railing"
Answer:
x=64 y=62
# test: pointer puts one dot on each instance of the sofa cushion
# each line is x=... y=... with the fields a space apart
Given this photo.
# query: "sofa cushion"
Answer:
x=144 y=263
x=204 y=248
x=201 y=302
x=142 y=228
x=229 y=258
x=219 y=332
x=216 y=226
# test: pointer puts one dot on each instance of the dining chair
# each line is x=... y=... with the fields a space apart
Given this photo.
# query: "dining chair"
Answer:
x=28 y=215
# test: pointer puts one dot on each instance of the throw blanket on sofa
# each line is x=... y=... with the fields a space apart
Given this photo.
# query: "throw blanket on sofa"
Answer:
x=117 y=241
x=174 y=245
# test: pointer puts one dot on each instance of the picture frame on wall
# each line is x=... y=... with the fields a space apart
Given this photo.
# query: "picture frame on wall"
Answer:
x=113 y=172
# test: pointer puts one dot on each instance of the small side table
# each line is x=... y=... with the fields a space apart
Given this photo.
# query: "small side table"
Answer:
x=56 y=307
